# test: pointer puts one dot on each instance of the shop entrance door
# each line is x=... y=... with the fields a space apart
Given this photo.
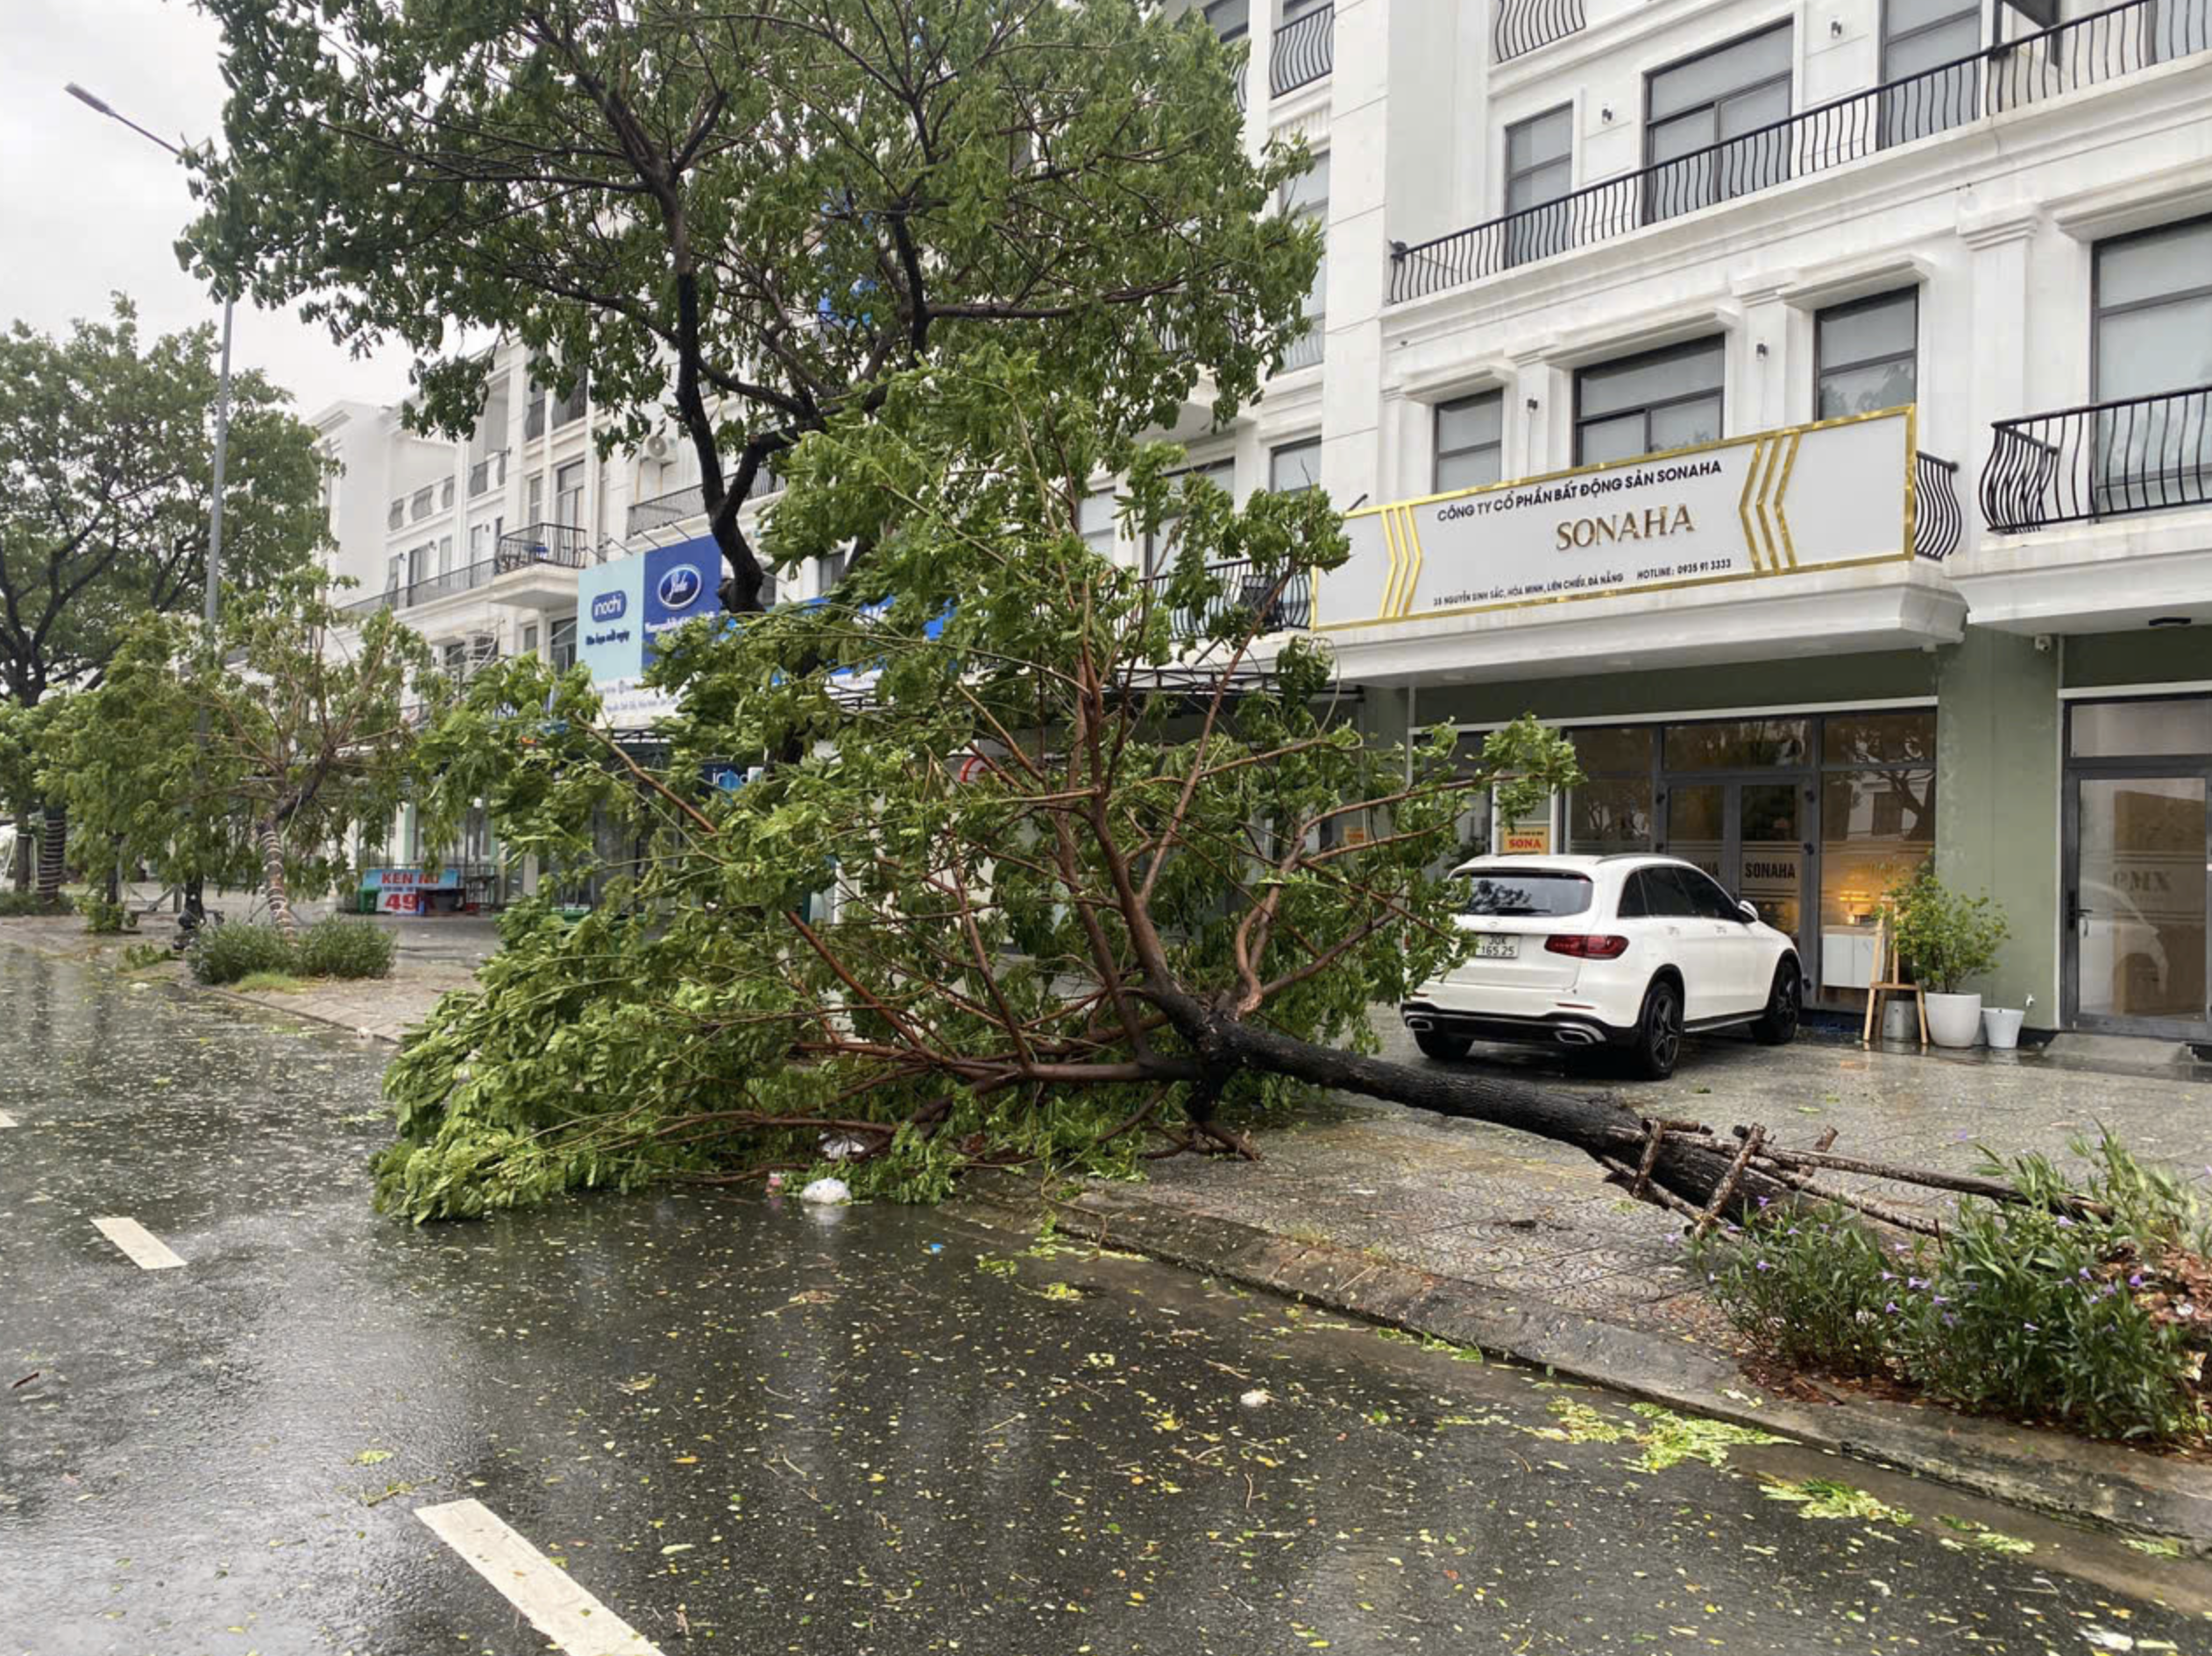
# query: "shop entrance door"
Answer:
x=1752 y=834
x=2139 y=888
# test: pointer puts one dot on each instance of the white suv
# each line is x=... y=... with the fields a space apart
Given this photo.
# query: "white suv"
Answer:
x=1625 y=952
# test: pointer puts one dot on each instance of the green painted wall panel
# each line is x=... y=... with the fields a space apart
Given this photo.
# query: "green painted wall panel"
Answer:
x=2174 y=655
x=1997 y=803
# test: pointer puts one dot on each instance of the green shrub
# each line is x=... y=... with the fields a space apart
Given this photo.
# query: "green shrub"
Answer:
x=223 y=954
x=1943 y=939
x=139 y=956
x=15 y=904
x=2047 y=1310
x=1808 y=1285
x=103 y=918
x=340 y=948
x=2094 y=1321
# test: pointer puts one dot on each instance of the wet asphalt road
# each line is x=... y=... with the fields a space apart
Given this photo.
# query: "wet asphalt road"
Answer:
x=757 y=1428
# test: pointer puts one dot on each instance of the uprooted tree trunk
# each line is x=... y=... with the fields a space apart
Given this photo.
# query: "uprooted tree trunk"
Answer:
x=272 y=847
x=53 y=847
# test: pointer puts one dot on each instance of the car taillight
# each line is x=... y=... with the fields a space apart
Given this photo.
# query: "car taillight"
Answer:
x=1583 y=946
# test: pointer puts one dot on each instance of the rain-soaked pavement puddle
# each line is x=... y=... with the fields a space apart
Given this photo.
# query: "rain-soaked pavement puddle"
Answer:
x=759 y=1428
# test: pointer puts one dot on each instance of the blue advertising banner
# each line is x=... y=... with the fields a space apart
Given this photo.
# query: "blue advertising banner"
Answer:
x=681 y=583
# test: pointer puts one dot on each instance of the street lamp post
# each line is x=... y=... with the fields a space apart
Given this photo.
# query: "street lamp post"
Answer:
x=210 y=600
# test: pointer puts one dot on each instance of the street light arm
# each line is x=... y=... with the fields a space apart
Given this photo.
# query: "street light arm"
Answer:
x=91 y=102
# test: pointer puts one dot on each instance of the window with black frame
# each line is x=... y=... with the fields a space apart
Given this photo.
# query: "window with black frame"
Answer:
x=1867 y=355
x=1930 y=78
x=2153 y=352
x=1470 y=441
x=1711 y=133
x=1540 y=169
x=1664 y=399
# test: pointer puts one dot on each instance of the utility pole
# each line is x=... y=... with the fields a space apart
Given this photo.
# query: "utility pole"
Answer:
x=194 y=901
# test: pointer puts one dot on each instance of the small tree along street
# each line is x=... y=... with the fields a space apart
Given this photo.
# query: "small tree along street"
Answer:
x=745 y=222
x=104 y=487
x=308 y=736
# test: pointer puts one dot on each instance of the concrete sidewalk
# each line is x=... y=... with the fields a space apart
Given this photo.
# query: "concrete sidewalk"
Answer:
x=1505 y=1212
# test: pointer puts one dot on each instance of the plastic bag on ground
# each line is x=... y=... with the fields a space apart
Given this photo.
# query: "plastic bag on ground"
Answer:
x=826 y=1191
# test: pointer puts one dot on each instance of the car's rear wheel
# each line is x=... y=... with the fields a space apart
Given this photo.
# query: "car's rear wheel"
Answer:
x=1447 y=1047
x=1777 y=1025
x=1658 y=1042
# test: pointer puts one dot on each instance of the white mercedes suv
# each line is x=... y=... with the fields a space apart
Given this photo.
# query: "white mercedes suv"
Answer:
x=1625 y=952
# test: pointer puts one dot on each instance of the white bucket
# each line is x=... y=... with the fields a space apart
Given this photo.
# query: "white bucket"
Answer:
x=2001 y=1025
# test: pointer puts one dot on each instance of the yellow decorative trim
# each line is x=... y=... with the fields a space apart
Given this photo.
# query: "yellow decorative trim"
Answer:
x=1768 y=448
x=1743 y=502
x=1413 y=537
x=1782 y=499
x=1911 y=531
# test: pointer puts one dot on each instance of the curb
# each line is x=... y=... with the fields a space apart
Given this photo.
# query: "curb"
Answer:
x=2097 y=1484
x=184 y=985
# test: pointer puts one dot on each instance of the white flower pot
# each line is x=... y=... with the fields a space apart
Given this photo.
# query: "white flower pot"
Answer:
x=1953 y=1020
x=2001 y=1026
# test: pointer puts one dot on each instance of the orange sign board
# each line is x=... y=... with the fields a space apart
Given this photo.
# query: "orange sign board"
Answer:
x=1527 y=842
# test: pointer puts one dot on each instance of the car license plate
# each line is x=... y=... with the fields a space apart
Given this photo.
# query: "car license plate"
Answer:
x=1496 y=948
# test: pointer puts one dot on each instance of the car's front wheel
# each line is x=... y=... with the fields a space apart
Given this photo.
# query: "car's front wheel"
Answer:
x=1447 y=1047
x=1777 y=1025
x=1658 y=1040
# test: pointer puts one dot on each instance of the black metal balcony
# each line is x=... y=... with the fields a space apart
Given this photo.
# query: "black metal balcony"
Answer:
x=2088 y=51
x=1304 y=49
x=2102 y=460
x=665 y=511
x=1938 y=523
x=1245 y=602
x=1519 y=26
x=563 y=544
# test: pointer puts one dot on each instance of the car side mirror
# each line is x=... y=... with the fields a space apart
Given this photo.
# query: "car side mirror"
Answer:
x=1748 y=910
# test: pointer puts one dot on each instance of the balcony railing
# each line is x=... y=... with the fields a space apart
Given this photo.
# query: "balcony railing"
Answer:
x=1305 y=351
x=559 y=543
x=2088 y=51
x=397 y=517
x=1304 y=50
x=1245 y=598
x=1937 y=523
x=488 y=473
x=2102 y=460
x=571 y=407
x=1519 y=26
x=665 y=511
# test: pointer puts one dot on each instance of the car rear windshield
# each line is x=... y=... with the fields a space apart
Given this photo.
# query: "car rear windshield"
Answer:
x=1525 y=891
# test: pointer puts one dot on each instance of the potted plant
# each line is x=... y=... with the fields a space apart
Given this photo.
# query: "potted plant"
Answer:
x=1944 y=939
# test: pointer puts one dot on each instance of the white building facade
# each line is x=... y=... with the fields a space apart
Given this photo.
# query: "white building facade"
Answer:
x=1912 y=297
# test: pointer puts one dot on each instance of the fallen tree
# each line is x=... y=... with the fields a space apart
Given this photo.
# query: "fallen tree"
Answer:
x=1066 y=874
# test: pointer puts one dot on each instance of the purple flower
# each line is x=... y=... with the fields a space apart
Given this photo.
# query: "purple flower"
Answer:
x=1899 y=1247
x=1950 y=1321
x=2136 y=1281
x=2030 y=1328
x=2065 y=1223
x=1916 y=1282
x=1763 y=1266
x=1763 y=1201
x=2186 y=1309
x=2083 y=1273
x=1940 y=1300
x=1891 y=1307
x=1888 y=1276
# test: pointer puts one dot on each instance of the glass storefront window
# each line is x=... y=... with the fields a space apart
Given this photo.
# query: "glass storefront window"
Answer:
x=1604 y=817
x=1739 y=744
x=1877 y=827
x=2128 y=730
x=1612 y=750
x=1879 y=739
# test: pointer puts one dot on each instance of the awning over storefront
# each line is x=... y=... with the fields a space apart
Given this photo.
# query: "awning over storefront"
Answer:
x=1802 y=539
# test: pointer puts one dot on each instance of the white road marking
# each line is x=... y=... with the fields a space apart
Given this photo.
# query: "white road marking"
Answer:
x=143 y=1247
x=553 y=1603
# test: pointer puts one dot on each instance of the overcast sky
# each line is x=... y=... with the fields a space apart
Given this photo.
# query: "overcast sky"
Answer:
x=88 y=206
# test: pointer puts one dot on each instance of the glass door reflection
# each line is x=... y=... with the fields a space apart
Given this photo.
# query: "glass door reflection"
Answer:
x=2137 y=903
